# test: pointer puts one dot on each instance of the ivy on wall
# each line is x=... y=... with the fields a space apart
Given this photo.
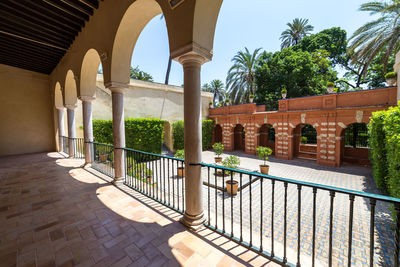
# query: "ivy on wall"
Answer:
x=207 y=134
x=140 y=134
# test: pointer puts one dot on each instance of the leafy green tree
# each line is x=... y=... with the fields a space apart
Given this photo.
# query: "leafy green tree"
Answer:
x=302 y=73
x=137 y=74
x=380 y=35
x=333 y=40
x=240 y=81
x=297 y=30
x=217 y=88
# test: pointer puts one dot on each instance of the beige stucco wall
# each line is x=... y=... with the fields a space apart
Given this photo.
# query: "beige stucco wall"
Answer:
x=143 y=100
x=26 y=112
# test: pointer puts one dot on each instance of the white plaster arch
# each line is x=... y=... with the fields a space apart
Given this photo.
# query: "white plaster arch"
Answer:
x=90 y=65
x=70 y=90
x=58 y=96
x=132 y=23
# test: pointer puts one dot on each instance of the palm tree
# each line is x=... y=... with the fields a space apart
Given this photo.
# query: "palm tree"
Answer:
x=380 y=35
x=240 y=81
x=217 y=88
x=298 y=29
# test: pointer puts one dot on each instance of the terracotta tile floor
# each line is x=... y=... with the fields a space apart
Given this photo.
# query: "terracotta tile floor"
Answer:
x=55 y=213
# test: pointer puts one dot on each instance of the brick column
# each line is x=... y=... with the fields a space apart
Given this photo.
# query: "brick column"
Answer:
x=87 y=127
x=250 y=137
x=227 y=136
x=60 y=115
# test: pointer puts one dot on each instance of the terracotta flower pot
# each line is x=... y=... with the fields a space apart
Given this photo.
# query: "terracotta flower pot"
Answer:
x=251 y=100
x=103 y=158
x=181 y=171
x=232 y=187
x=330 y=90
x=218 y=159
x=284 y=95
x=264 y=169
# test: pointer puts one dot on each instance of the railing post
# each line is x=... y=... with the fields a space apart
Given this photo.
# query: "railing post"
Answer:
x=87 y=127
x=193 y=216
x=71 y=128
x=60 y=115
x=117 y=95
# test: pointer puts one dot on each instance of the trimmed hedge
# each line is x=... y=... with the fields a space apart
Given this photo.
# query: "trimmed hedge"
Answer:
x=392 y=132
x=377 y=152
x=141 y=134
x=178 y=134
x=385 y=149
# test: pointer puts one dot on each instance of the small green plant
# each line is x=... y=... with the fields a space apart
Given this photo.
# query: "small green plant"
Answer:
x=284 y=90
x=232 y=162
x=263 y=153
x=304 y=140
x=390 y=75
x=218 y=149
x=251 y=96
x=330 y=84
x=227 y=100
x=180 y=154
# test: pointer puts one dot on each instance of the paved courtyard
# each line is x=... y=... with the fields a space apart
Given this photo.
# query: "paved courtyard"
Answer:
x=249 y=213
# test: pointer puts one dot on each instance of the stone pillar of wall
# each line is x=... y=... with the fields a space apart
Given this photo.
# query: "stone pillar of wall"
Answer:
x=327 y=147
x=283 y=140
x=397 y=69
x=250 y=136
x=227 y=136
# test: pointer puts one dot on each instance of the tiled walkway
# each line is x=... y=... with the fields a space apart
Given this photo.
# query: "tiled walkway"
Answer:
x=55 y=213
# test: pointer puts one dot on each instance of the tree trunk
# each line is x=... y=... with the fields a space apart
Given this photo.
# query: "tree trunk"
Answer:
x=168 y=70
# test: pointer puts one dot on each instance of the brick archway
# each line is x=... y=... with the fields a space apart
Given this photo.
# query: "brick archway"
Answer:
x=239 y=142
x=266 y=136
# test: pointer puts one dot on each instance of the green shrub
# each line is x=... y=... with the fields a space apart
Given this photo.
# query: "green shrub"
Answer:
x=218 y=149
x=140 y=134
x=284 y=90
x=263 y=153
x=180 y=154
x=207 y=133
x=392 y=133
x=390 y=75
x=304 y=139
x=377 y=153
x=178 y=134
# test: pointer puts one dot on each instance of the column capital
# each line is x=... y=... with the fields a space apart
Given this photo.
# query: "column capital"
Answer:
x=87 y=98
x=71 y=106
x=60 y=108
x=192 y=59
x=116 y=87
x=191 y=48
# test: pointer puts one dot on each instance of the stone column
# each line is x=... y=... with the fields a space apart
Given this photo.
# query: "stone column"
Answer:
x=397 y=69
x=60 y=114
x=117 y=95
x=194 y=216
x=87 y=127
x=71 y=128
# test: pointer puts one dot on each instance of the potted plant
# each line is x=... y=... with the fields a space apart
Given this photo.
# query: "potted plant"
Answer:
x=218 y=150
x=231 y=185
x=149 y=176
x=180 y=154
x=284 y=92
x=330 y=86
x=103 y=155
x=227 y=101
x=391 y=78
x=263 y=153
x=210 y=104
x=251 y=97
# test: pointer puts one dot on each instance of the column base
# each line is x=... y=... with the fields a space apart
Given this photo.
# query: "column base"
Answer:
x=87 y=165
x=118 y=181
x=193 y=222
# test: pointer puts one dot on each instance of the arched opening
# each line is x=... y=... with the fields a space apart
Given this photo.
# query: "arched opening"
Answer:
x=305 y=142
x=217 y=134
x=266 y=136
x=355 y=144
x=239 y=137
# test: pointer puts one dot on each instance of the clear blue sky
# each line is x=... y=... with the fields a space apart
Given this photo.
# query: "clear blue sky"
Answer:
x=251 y=24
